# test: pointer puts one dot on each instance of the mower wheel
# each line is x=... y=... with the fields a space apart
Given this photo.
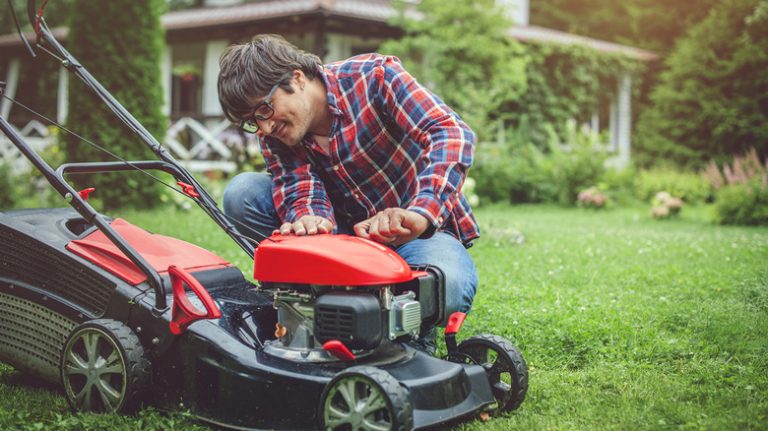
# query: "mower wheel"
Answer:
x=504 y=365
x=103 y=367
x=365 y=398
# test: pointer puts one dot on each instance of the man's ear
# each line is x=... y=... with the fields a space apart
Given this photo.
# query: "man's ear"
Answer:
x=299 y=78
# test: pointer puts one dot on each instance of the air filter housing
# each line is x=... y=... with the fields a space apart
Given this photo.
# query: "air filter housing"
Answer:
x=352 y=318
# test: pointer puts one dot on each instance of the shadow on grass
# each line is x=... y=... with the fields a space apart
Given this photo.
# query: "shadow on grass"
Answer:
x=20 y=379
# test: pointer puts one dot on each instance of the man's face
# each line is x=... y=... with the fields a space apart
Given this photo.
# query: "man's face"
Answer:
x=292 y=114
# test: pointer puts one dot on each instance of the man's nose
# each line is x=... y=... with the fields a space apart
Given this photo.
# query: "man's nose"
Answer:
x=266 y=126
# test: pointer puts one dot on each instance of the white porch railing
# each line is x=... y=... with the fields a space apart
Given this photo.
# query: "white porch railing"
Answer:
x=200 y=146
x=35 y=134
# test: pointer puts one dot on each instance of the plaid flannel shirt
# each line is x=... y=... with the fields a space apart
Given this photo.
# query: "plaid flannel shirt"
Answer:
x=393 y=143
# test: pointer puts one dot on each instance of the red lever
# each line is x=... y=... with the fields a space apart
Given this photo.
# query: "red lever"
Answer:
x=188 y=189
x=454 y=322
x=183 y=313
x=84 y=193
x=339 y=350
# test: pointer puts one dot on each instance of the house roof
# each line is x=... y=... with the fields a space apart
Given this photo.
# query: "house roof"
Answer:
x=370 y=10
x=13 y=40
x=377 y=11
x=535 y=34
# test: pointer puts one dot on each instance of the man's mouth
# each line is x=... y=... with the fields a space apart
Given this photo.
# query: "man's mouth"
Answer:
x=279 y=129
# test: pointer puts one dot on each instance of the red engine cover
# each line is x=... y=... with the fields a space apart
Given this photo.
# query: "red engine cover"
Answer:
x=328 y=259
x=158 y=250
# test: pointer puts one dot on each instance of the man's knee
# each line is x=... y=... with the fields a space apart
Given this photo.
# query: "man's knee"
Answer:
x=248 y=189
x=460 y=285
x=447 y=254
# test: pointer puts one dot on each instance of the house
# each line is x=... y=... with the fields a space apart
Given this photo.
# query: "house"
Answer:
x=333 y=29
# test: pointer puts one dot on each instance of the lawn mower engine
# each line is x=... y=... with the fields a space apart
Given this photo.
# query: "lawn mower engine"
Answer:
x=346 y=303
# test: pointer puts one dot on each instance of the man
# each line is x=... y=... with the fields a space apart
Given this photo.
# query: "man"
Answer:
x=355 y=147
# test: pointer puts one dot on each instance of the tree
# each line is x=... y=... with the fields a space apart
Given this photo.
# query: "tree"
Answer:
x=461 y=51
x=648 y=24
x=57 y=9
x=120 y=43
x=713 y=98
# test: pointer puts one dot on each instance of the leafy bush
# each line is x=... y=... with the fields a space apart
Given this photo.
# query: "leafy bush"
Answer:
x=688 y=186
x=524 y=173
x=742 y=190
x=743 y=203
x=461 y=51
x=502 y=174
x=120 y=42
x=564 y=82
x=665 y=205
x=592 y=197
x=8 y=193
x=712 y=98
x=619 y=184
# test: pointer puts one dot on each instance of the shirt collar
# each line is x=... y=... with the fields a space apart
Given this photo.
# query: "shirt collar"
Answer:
x=335 y=101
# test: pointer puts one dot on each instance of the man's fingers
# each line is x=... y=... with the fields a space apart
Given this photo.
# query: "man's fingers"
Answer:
x=361 y=229
x=325 y=226
x=379 y=231
x=311 y=225
x=383 y=227
x=285 y=229
x=396 y=224
x=298 y=228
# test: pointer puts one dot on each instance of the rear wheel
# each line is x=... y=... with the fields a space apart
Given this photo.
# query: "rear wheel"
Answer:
x=103 y=367
x=504 y=365
x=365 y=398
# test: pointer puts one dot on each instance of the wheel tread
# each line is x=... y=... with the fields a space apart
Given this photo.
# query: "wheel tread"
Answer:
x=518 y=363
x=138 y=368
x=392 y=389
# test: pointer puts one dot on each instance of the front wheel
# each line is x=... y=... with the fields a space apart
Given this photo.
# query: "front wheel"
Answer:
x=504 y=365
x=103 y=367
x=365 y=398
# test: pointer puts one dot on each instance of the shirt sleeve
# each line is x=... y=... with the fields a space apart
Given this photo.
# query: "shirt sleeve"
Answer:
x=297 y=190
x=448 y=143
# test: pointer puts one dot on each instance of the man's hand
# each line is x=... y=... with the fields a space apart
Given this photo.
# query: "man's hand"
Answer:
x=306 y=225
x=393 y=226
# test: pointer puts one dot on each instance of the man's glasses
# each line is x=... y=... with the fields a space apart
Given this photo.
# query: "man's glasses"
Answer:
x=263 y=111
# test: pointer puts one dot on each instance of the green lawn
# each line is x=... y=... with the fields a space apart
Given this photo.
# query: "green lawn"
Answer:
x=626 y=322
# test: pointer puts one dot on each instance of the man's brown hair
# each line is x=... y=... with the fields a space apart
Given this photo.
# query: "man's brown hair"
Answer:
x=248 y=71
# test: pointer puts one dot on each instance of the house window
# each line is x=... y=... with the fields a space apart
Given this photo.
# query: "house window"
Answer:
x=187 y=93
x=188 y=62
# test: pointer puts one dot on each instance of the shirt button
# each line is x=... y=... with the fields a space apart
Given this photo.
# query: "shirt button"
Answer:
x=440 y=220
x=336 y=168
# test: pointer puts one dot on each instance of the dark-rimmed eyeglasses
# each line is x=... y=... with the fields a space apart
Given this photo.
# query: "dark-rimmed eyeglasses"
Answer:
x=263 y=111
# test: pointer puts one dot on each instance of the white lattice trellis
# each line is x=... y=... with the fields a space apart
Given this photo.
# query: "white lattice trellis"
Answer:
x=197 y=147
x=35 y=134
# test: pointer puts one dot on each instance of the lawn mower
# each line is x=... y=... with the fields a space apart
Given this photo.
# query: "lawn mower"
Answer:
x=121 y=317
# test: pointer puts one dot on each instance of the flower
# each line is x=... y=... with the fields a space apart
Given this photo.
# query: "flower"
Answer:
x=665 y=205
x=592 y=198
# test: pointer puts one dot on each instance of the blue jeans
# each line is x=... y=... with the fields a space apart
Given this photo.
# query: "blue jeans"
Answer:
x=248 y=199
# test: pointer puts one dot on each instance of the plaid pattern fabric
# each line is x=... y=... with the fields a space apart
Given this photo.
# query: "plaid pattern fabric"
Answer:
x=392 y=144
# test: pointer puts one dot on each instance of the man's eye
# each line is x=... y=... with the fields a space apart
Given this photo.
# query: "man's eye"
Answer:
x=263 y=109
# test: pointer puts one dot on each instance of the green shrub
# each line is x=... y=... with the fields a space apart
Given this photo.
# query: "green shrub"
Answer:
x=711 y=100
x=503 y=174
x=524 y=173
x=120 y=43
x=619 y=184
x=742 y=189
x=690 y=187
x=743 y=203
x=8 y=194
